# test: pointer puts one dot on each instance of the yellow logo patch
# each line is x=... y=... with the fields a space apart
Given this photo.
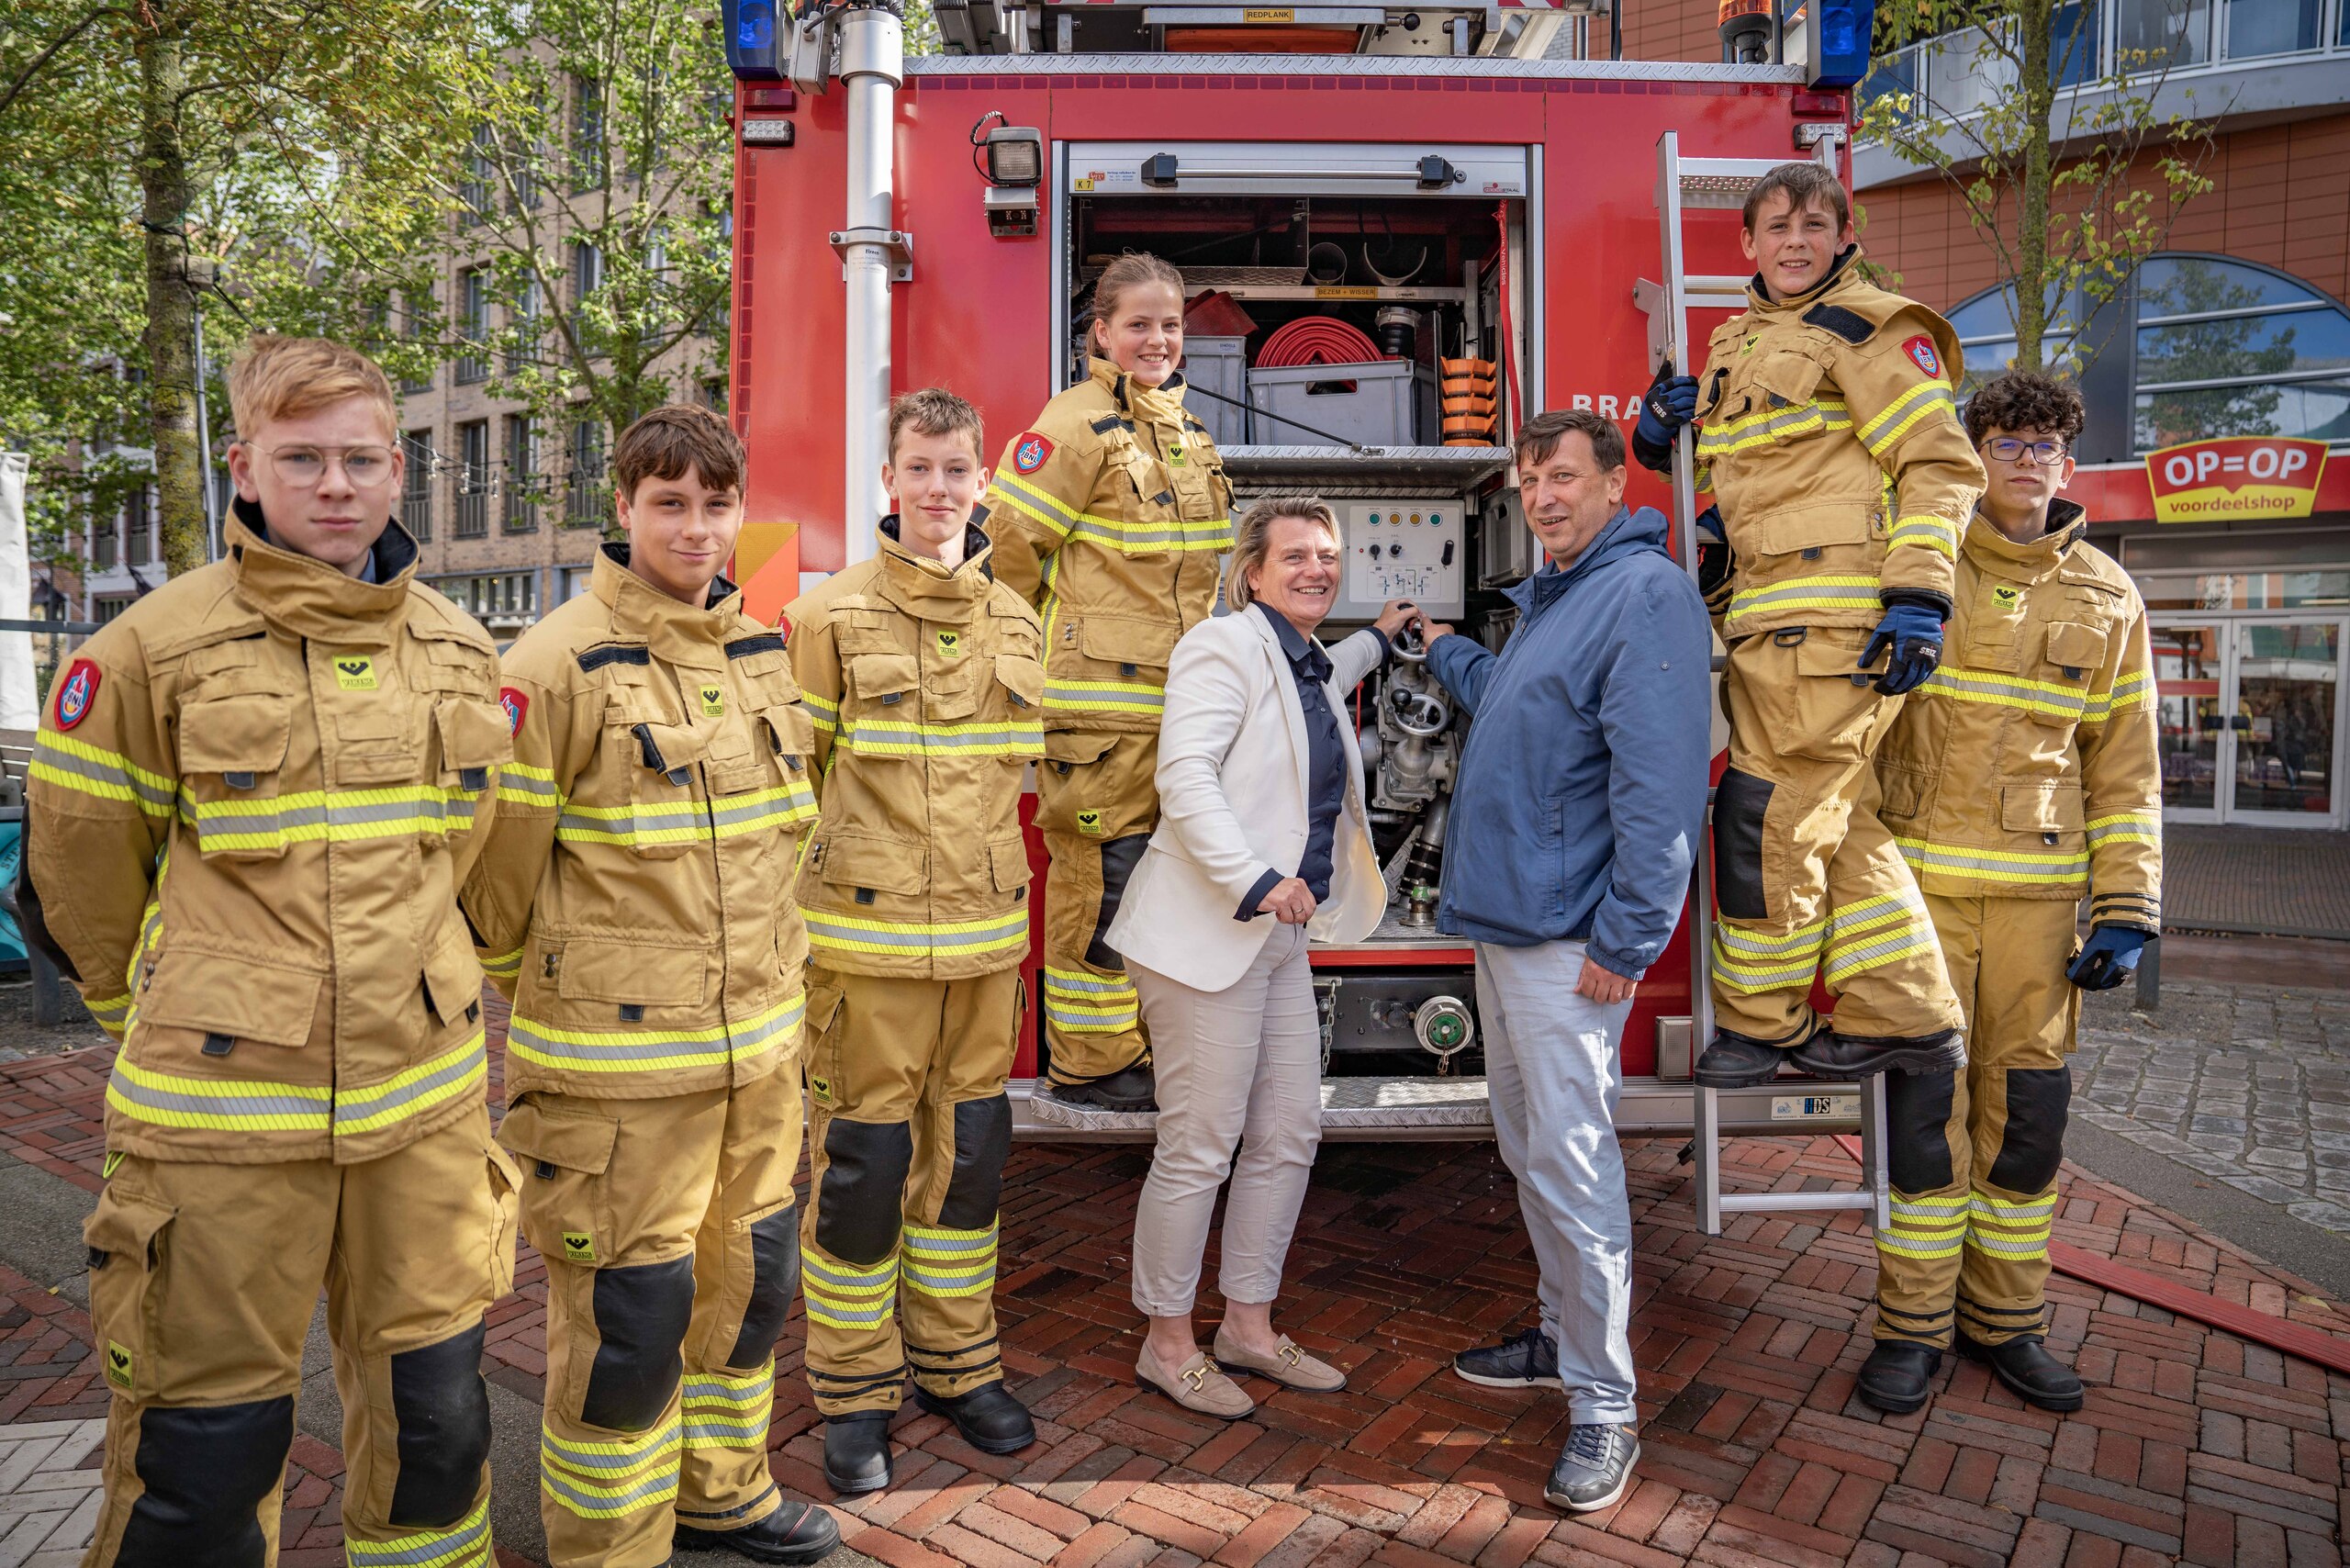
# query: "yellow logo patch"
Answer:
x=1748 y=347
x=355 y=672
x=822 y=1088
x=117 y=1365
x=1089 y=821
x=1175 y=454
x=2006 y=595
x=578 y=1246
x=950 y=644
x=713 y=702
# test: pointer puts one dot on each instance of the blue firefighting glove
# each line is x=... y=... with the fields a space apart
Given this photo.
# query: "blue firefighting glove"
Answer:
x=1713 y=557
x=2107 y=958
x=1670 y=403
x=1914 y=634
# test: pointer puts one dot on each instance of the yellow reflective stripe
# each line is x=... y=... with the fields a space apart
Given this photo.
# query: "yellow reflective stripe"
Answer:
x=894 y=737
x=1925 y=529
x=1842 y=590
x=461 y=1545
x=2140 y=827
x=844 y=1296
x=2132 y=689
x=502 y=965
x=1030 y=501
x=2006 y=691
x=656 y=1048
x=112 y=1013
x=167 y=1100
x=940 y=1262
x=527 y=785
x=1905 y=413
x=1749 y=962
x=687 y=822
x=336 y=817
x=1765 y=426
x=71 y=764
x=859 y=933
x=1155 y=536
x=604 y=1480
x=1753 y=943
x=1115 y=696
x=719 y=1411
x=412 y=1093
x=1995 y=865
x=1873 y=931
x=1089 y=1003
x=1924 y=1227
x=823 y=709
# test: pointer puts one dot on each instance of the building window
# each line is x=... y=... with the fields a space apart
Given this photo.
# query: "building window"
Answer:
x=105 y=542
x=473 y=192
x=522 y=326
x=713 y=395
x=416 y=326
x=587 y=150
x=472 y=324
x=494 y=597
x=139 y=528
x=584 y=504
x=587 y=270
x=2259 y=28
x=521 y=513
x=106 y=610
x=2199 y=346
x=473 y=479
x=416 y=484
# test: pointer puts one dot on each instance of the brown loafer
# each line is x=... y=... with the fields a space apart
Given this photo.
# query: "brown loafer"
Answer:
x=1198 y=1385
x=1288 y=1365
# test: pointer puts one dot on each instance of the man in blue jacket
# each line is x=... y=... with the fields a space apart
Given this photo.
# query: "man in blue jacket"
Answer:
x=1581 y=795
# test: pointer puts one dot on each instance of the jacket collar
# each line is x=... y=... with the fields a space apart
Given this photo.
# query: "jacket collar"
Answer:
x=2068 y=524
x=1304 y=651
x=677 y=632
x=1162 y=404
x=1759 y=296
x=924 y=588
x=1629 y=532
x=309 y=598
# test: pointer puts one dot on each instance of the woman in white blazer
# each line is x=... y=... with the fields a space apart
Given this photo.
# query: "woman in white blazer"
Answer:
x=1261 y=844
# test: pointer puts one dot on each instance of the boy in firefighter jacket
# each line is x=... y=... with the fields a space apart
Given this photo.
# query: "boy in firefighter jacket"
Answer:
x=635 y=904
x=1832 y=445
x=253 y=798
x=1109 y=515
x=2023 y=774
x=923 y=676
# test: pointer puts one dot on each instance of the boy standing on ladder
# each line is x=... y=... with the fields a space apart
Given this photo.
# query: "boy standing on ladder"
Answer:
x=1843 y=480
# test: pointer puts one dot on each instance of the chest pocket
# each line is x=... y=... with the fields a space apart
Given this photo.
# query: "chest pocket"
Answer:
x=1196 y=476
x=1015 y=631
x=883 y=684
x=652 y=761
x=232 y=761
x=1785 y=398
x=470 y=737
x=781 y=730
x=2075 y=653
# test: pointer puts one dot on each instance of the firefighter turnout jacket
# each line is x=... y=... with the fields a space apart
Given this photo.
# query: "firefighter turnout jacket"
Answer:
x=1109 y=515
x=253 y=797
x=636 y=901
x=1830 y=440
x=927 y=690
x=2023 y=773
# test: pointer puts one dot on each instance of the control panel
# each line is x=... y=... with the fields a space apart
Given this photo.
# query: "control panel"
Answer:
x=1414 y=550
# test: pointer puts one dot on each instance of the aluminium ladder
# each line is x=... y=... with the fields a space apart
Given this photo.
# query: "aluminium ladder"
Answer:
x=1683 y=184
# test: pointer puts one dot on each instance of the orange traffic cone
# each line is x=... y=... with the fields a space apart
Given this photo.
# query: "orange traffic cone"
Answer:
x=1468 y=401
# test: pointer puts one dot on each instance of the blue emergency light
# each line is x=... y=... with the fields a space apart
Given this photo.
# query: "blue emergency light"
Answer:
x=751 y=41
x=1839 y=49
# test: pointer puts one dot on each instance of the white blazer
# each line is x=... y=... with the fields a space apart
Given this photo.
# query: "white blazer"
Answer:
x=1232 y=783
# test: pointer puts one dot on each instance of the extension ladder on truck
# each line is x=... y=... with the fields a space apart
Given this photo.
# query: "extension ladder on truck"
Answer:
x=1683 y=184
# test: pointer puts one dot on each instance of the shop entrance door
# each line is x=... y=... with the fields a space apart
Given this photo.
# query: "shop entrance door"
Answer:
x=2251 y=718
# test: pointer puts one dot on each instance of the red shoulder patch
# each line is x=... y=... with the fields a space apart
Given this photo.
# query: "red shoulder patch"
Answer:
x=1031 y=452
x=76 y=691
x=1922 y=353
x=517 y=705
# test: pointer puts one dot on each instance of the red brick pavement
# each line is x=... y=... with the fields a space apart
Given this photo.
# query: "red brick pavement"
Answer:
x=2194 y=1446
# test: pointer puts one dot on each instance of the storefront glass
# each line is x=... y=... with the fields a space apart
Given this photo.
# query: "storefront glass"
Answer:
x=2245 y=591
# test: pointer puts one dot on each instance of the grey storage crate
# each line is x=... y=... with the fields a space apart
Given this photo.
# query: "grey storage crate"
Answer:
x=1220 y=365
x=1394 y=404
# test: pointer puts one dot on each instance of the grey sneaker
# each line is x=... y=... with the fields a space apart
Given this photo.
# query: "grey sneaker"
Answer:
x=1530 y=1361
x=1594 y=1470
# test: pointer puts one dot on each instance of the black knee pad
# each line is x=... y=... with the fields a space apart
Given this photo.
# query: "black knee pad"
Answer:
x=205 y=1472
x=1119 y=858
x=864 y=1189
x=2032 y=1145
x=641 y=1318
x=1916 y=1115
x=443 y=1409
x=775 y=1280
x=982 y=1143
x=1740 y=799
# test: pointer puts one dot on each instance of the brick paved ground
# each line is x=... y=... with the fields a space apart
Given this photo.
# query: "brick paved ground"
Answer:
x=2248 y=1084
x=2194 y=1446
x=2286 y=881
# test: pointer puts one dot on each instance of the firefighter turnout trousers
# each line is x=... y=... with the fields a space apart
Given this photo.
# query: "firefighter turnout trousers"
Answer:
x=1807 y=878
x=672 y=1247
x=203 y=1277
x=1974 y=1157
x=911 y=1128
x=1096 y=805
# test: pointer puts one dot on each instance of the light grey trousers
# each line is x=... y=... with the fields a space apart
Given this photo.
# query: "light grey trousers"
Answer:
x=1239 y=1068
x=1552 y=1070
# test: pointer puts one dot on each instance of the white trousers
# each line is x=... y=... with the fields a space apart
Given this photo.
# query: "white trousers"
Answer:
x=1238 y=1068
x=1551 y=1068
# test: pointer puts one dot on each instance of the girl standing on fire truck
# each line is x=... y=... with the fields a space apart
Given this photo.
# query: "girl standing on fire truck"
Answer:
x=1109 y=513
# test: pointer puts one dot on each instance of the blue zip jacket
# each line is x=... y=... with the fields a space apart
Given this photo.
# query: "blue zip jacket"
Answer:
x=1582 y=789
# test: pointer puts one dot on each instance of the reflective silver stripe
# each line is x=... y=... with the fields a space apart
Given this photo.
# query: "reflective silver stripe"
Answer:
x=462 y=1544
x=343 y=815
x=364 y=1110
x=910 y=936
x=226 y=1105
x=63 y=760
x=884 y=738
x=617 y=1050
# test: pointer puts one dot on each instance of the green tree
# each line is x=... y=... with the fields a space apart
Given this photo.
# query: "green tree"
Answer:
x=2065 y=164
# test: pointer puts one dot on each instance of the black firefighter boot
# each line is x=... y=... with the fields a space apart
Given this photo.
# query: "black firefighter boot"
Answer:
x=989 y=1417
x=795 y=1532
x=1739 y=1061
x=1128 y=1089
x=2024 y=1364
x=1844 y=1057
x=857 y=1450
x=1898 y=1376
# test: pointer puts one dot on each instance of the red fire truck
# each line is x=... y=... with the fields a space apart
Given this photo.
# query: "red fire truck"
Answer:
x=1454 y=184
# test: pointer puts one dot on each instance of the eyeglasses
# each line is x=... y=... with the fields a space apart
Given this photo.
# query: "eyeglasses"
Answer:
x=2008 y=449
x=304 y=467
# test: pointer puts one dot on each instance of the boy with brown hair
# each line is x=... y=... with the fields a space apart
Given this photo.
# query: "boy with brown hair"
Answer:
x=635 y=904
x=253 y=797
x=1832 y=445
x=923 y=676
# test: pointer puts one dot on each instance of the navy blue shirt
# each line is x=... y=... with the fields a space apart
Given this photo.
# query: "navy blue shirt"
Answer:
x=1325 y=764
